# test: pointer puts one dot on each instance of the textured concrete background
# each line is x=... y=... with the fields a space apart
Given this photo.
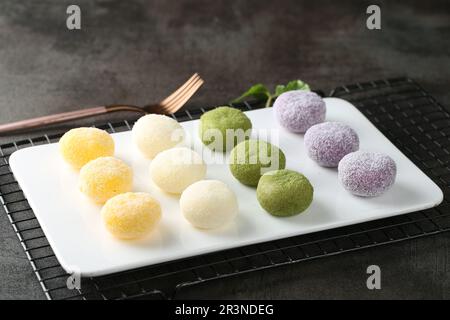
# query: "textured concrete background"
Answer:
x=138 y=51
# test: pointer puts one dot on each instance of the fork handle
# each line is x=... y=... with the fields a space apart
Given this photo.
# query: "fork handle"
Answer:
x=52 y=119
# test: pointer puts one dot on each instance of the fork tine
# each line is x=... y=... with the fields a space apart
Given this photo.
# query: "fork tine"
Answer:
x=180 y=89
x=177 y=99
x=178 y=102
x=185 y=97
x=175 y=103
x=188 y=91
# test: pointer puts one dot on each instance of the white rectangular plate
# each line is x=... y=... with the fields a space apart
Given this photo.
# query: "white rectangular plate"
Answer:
x=73 y=225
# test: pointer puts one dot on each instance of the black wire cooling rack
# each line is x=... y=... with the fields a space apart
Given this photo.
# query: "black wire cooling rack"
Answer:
x=413 y=120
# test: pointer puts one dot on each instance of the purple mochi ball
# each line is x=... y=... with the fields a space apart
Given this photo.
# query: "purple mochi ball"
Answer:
x=367 y=174
x=298 y=110
x=327 y=143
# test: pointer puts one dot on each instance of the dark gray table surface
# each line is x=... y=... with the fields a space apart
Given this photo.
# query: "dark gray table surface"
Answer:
x=138 y=51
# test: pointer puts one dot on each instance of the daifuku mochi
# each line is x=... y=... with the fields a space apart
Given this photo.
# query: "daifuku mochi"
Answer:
x=131 y=215
x=105 y=177
x=367 y=174
x=81 y=145
x=222 y=128
x=175 y=169
x=298 y=110
x=250 y=159
x=154 y=133
x=327 y=143
x=208 y=204
x=284 y=193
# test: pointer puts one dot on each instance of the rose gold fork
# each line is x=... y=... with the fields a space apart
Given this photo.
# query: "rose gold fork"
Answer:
x=169 y=105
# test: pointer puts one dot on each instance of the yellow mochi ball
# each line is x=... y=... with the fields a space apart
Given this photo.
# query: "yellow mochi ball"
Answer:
x=81 y=145
x=131 y=215
x=105 y=177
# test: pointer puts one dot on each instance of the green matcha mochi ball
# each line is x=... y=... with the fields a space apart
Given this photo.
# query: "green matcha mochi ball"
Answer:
x=284 y=193
x=250 y=159
x=224 y=127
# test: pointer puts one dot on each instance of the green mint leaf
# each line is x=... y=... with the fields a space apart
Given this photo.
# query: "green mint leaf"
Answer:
x=292 y=85
x=261 y=93
x=258 y=91
x=279 y=89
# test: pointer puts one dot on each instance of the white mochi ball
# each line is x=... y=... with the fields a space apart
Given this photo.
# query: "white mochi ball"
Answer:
x=175 y=169
x=154 y=133
x=209 y=204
